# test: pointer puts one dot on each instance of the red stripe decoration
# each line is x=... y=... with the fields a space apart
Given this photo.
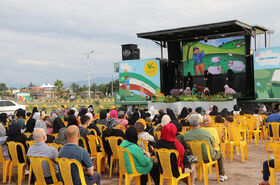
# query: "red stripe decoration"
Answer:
x=137 y=88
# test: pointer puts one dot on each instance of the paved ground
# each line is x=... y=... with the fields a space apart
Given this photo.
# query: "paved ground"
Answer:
x=248 y=173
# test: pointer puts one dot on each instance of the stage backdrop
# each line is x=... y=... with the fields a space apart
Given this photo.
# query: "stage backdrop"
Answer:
x=139 y=79
x=267 y=72
x=214 y=55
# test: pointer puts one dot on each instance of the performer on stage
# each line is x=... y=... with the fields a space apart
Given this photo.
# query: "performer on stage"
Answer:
x=208 y=77
x=230 y=78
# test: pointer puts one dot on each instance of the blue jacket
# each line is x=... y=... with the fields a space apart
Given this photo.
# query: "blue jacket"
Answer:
x=198 y=58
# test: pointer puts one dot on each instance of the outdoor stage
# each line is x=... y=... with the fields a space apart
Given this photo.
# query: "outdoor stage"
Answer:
x=178 y=106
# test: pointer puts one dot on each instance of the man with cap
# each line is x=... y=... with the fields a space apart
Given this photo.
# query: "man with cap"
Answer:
x=198 y=61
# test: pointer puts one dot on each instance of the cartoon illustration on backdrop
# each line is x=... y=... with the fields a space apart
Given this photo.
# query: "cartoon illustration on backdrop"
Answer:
x=198 y=61
x=127 y=78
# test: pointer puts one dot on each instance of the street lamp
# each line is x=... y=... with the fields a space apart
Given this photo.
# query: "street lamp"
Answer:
x=87 y=55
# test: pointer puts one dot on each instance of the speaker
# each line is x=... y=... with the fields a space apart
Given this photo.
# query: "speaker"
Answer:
x=130 y=52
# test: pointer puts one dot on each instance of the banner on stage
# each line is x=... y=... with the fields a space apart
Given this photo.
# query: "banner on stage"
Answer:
x=215 y=55
x=267 y=72
x=139 y=79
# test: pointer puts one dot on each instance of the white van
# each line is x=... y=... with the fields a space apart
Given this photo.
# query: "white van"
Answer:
x=9 y=107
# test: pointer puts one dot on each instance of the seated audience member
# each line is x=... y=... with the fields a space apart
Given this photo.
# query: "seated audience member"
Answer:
x=41 y=149
x=196 y=133
x=71 y=150
x=3 y=118
x=143 y=164
x=134 y=117
x=72 y=119
x=113 y=118
x=229 y=119
x=3 y=138
x=168 y=141
x=179 y=136
x=266 y=172
x=224 y=113
x=14 y=134
x=219 y=119
x=236 y=110
x=57 y=122
x=140 y=127
x=121 y=120
x=42 y=124
x=85 y=121
x=256 y=111
x=164 y=121
x=102 y=120
x=171 y=114
x=214 y=111
x=49 y=123
x=148 y=117
x=184 y=113
x=214 y=133
x=21 y=118
x=92 y=125
x=273 y=117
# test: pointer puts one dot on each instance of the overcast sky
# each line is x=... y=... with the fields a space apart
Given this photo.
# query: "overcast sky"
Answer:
x=44 y=40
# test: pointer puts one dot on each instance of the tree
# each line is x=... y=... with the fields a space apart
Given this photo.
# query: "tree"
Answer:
x=94 y=87
x=75 y=87
x=84 y=88
x=31 y=85
x=3 y=87
x=59 y=88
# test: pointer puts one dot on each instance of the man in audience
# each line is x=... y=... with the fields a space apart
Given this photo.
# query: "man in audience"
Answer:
x=85 y=121
x=72 y=151
x=273 y=117
x=196 y=133
x=41 y=149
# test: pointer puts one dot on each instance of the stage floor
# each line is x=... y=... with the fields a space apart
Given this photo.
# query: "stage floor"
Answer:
x=178 y=106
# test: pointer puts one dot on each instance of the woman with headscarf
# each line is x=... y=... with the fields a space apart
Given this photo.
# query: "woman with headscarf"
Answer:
x=43 y=125
x=168 y=140
x=140 y=126
x=164 y=121
x=214 y=111
x=20 y=118
x=102 y=120
x=3 y=138
x=143 y=164
x=3 y=118
x=121 y=120
x=171 y=114
x=32 y=121
x=49 y=123
x=14 y=134
x=184 y=113
x=113 y=118
x=57 y=122
x=134 y=117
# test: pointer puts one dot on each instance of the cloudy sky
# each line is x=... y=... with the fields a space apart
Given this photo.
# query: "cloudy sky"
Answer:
x=44 y=40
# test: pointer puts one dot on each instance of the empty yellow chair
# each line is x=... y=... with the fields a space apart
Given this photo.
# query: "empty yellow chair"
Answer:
x=224 y=143
x=276 y=152
x=83 y=143
x=65 y=170
x=253 y=129
x=166 y=171
x=235 y=140
x=6 y=164
x=101 y=128
x=196 y=148
x=274 y=131
x=93 y=142
x=121 y=127
x=12 y=147
x=123 y=171
x=36 y=167
x=113 y=143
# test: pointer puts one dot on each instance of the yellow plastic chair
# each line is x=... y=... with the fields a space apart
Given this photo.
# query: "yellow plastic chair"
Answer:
x=121 y=127
x=12 y=147
x=235 y=140
x=94 y=131
x=224 y=143
x=6 y=164
x=64 y=122
x=165 y=163
x=30 y=143
x=65 y=170
x=83 y=142
x=55 y=145
x=27 y=134
x=93 y=141
x=101 y=128
x=196 y=148
x=36 y=166
x=54 y=135
x=142 y=143
x=157 y=134
x=123 y=171
x=113 y=143
x=276 y=152
x=274 y=128
x=253 y=129
x=185 y=129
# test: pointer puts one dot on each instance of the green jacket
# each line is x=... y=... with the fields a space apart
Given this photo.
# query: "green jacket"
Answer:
x=142 y=163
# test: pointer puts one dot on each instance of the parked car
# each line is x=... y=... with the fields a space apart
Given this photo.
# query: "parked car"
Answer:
x=9 y=107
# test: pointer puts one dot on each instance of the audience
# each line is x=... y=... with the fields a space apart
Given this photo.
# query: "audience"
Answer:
x=3 y=138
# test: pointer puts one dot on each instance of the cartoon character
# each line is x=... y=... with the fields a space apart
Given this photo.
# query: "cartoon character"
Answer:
x=142 y=91
x=216 y=59
x=127 y=79
x=236 y=65
x=198 y=61
x=215 y=70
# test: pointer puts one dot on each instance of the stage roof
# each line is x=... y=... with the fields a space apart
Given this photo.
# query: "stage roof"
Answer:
x=203 y=32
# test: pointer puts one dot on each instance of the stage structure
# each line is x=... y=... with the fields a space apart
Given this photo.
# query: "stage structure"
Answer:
x=218 y=47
